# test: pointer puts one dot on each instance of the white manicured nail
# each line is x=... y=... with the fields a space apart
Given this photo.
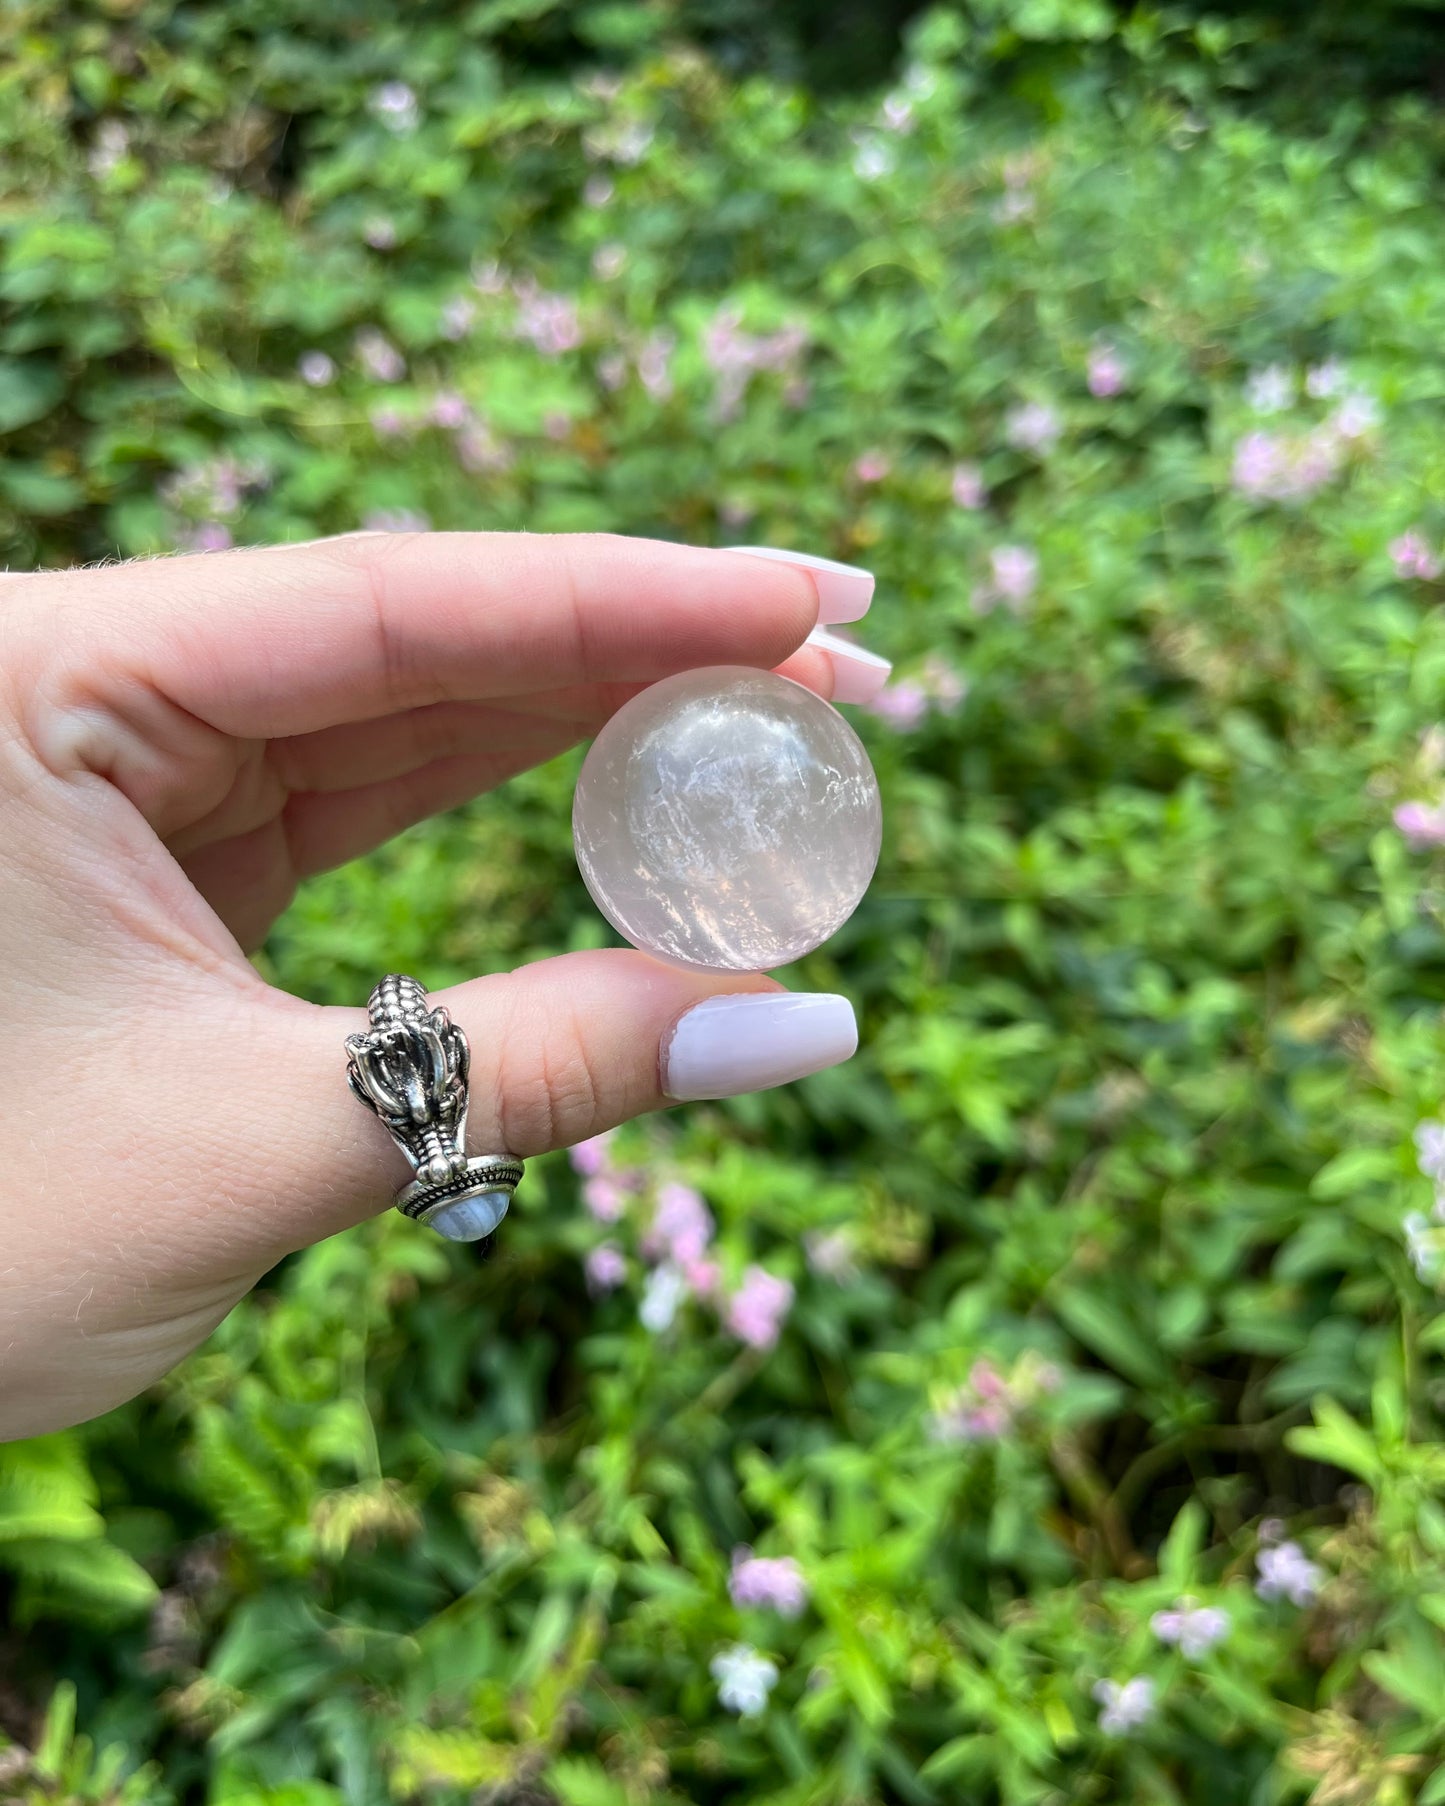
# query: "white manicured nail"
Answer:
x=844 y=590
x=858 y=676
x=727 y=1045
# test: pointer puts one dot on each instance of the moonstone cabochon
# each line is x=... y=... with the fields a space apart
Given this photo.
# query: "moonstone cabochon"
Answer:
x=728 y=819
x=471 y=1218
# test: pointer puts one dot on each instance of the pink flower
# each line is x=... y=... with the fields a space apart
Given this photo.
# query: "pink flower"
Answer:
x=1107 y=373
x=590 y=1157
x=981 y=1410
x=480 y=451
x=605 y=1268
x=968 y=489
x=736 y=357
x=209 y=536
x=448 y=410
x=1279 y=467
x=612 y=370
x=396 y=520
x=389 y=423
x=604 y=1197
x=756 y=1311
x=1412 y=557
x=1422 y=824
x=945 y=687
x=773 y=1583
x=1015 y=572
x=1033 y=427
x=315 y=369
x=551 y=323
x=901 y=705
x=681 y=1228
x=872 y=467
x=987 y=1382
x=703 y=1277
x=457 y=317
x=379 y=358
x=654 y=365
x=489 y=278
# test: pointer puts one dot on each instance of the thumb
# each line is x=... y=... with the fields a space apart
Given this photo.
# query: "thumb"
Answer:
x=220 y=1134
x=560 y=1051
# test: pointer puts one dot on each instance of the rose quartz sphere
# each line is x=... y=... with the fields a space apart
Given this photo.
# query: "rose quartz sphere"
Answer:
x=727 y=818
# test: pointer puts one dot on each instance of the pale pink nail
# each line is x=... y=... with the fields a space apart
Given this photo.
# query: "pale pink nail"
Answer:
x=845 y=591
x=858 y=676
x=727 y=1045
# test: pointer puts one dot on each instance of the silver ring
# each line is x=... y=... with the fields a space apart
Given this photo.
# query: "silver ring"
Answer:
x=410 y=1070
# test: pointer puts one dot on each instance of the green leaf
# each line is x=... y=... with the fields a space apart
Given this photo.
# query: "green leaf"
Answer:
x=56 y=1733
x=1102 y=1325
x=1338 y=1439
x=578 y=1781
x=1183 y=1544
x=29 y=389
x=40 y=492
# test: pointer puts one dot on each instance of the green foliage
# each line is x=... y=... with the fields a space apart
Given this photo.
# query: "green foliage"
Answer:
x=1150 y=986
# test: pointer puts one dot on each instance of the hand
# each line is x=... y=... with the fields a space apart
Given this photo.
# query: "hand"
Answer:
x=180 y=743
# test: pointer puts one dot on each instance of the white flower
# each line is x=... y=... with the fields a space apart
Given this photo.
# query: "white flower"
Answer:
x=1195 y=1629
x=873 y=158
x=1356 y=415
x=1126 y=1707
x=1422 y=1244
x=1285 y=1572
x=1271 y=390
x=315 y=369
x=744 y=1678
x=395 y=105
x=1430 y=1148
x=665 y=1290
x=1326 y=380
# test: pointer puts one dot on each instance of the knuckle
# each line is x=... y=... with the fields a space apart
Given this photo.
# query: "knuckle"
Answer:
x=546 y=1090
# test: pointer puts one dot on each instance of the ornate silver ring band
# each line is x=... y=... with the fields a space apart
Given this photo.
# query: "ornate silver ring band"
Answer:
x=410 y=1070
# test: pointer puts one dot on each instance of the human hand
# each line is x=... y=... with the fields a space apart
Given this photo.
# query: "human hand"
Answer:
x=180 y=743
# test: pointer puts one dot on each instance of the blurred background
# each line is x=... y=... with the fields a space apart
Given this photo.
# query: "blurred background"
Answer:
x=1045 y=1407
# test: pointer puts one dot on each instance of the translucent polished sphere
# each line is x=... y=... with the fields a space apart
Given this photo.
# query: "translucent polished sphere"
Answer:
x=727 y=818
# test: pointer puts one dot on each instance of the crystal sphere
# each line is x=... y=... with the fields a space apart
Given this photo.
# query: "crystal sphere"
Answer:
x=727 y=818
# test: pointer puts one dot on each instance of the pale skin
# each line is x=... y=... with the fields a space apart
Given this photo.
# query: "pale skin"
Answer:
x=181 y=742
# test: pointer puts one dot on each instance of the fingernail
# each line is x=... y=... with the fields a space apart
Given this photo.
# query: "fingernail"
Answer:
x=727 y=1045
x=858 y=676
x=844 y=590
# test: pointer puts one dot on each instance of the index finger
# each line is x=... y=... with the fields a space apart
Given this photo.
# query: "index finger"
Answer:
x=285 y=641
